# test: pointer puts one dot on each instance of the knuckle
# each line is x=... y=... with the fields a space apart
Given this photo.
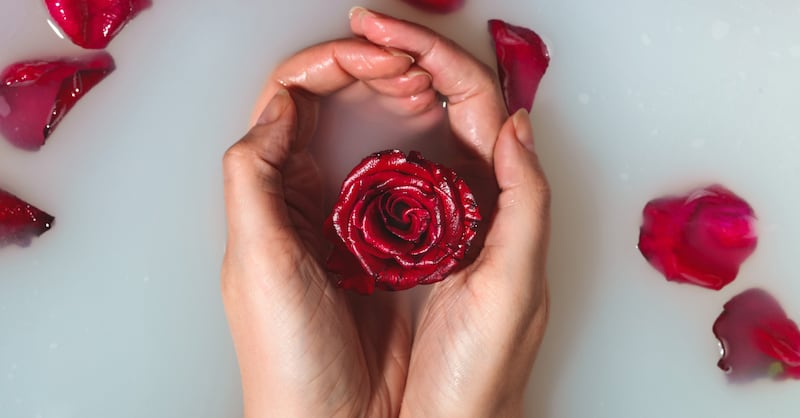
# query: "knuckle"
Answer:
x=236 y=155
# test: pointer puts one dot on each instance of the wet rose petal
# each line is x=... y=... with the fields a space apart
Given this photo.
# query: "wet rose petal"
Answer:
x=522 y=59
x=20 y=221
x=399 y=222
x=758 y=339
x=437 y=6
x=701 y=239
x=36 y=95
x=92 y=24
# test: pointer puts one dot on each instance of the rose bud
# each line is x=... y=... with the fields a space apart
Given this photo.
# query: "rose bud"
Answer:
x=399 y=222
x=701 y=238
x=757 y=338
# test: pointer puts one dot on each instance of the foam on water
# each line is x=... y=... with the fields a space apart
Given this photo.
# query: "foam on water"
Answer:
x=116 y=310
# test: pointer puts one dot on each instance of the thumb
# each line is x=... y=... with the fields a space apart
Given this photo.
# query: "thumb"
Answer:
x=518 y=236
x=254 y=195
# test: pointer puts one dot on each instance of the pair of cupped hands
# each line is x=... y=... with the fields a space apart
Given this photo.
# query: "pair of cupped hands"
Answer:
x=309 y=349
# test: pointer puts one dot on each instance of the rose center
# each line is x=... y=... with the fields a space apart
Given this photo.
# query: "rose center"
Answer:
x=404 y=217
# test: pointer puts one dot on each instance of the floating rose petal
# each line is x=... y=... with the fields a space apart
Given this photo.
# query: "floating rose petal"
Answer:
x=701 y=238
x=92 y=24
x=35 y=95
x=19 y=221
x=522 y=59
x=399 y=222
x=437 y=6
x=757 y=338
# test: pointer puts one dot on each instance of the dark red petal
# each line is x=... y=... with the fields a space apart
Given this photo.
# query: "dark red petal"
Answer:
x=756 y=335
x=437 y=6
x=92 y=24
x=522 y=59
x=36 y=95
x=702 y=238
x=20 y=221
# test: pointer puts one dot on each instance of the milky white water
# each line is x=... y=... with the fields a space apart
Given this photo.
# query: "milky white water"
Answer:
x=116 y=311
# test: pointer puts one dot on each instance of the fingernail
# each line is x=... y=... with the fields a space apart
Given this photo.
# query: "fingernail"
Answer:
x=417 y=73
x=523 y=128
x=275 y=108
x=359 y=11
x=399 y=53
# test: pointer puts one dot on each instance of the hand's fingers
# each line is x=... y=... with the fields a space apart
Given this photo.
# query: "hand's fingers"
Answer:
x=414 y=105
x=254 y=196
x=325 y=68
x=517 y=240
x=413 y=82
x=475 y=103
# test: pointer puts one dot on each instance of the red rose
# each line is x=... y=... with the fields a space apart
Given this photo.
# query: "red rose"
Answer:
x=701 y=238
x=399 y=222
x=757 y=338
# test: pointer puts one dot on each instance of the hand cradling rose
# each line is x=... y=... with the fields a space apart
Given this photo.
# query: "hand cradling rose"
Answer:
x=308 y=348
x=400 y=221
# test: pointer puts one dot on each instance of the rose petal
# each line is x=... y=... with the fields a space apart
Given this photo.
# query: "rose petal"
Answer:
x=92 y=24
x=755 y=335
x=702 y=238
x=20 y=221
x=38 y=94
x=522 y=59
x=437 y=6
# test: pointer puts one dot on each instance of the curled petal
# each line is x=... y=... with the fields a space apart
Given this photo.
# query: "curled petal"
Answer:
x=702 y=238
x=522 y=60
x=36 y=95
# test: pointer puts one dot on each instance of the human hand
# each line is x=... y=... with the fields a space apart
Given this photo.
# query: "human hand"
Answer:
x=306 y=348
x=480 y=329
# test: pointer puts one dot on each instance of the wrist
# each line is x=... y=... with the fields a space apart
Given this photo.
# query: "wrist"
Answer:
x=499 y=404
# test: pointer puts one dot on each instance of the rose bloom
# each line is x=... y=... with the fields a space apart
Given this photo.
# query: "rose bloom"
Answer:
x=701 y=238
x=757 y=338
x=399 y=222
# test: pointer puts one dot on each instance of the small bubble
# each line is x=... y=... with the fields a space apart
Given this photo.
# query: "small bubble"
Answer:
x=645 y=38
x=720 y=29
x=583 y=98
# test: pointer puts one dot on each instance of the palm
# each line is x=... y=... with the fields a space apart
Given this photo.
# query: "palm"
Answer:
x=363 y=359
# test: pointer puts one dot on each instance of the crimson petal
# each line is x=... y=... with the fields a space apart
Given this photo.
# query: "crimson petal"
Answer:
x=437 y=6
x=701 y=238
x=522 y=59
x=20 y=221
x=36 y=95
x=92 y=24
x=757 y=338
